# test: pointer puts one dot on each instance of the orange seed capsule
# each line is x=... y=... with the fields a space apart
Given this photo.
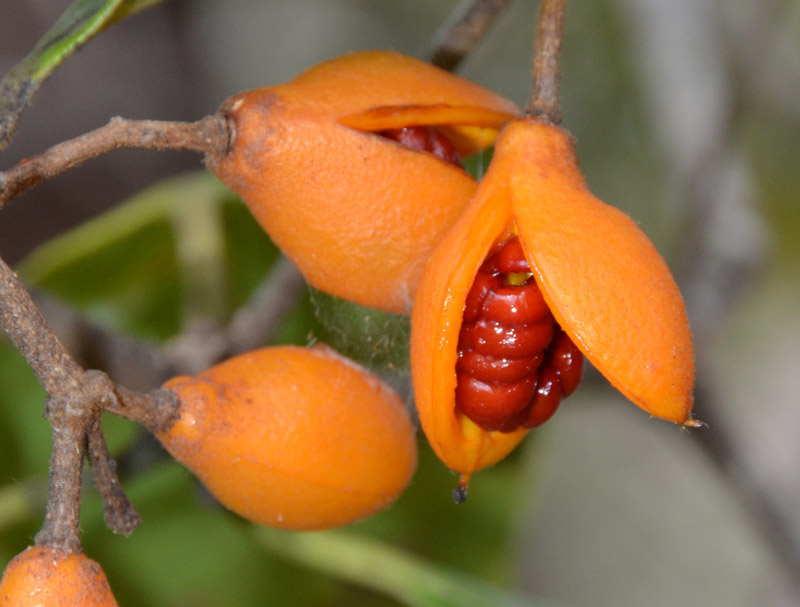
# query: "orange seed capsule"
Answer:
x=293 y=438
x=325 y=166
x=604 y=284
x=43 y=576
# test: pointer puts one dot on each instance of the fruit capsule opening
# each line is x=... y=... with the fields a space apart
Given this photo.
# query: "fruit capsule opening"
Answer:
x=515 y=364
x=425 y=139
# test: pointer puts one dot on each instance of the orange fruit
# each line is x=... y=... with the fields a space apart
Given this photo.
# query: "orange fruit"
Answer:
x=44 y=576
x=603 y=280
x=356 y=212
x=293 y=438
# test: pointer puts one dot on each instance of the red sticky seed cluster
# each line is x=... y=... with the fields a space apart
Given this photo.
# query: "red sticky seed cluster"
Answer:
x=425 y=139
x=515 y=364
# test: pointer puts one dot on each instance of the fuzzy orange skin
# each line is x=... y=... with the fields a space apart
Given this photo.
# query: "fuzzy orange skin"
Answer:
x=357 y=213
x=42 y=576
x=602 y=278
x=293 y=438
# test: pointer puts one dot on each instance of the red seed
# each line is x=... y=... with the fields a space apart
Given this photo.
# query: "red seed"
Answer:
x=564 y=357
x=514 y=363
x=489 y=405
x=489 y=265
x=425 y=139
x=495 y=339
x=512 y=258
x=546 y=399
x=496 y=370
x=466 y=339
x=515 y=305
x=483 y=285
x=442 y=147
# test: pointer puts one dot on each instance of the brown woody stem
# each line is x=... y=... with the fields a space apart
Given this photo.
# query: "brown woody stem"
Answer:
x=459 y=36
x=76 y=399
x=56 y=370
x=120 y=515
x=61 y=527
x=544 y=99
x=209 y=135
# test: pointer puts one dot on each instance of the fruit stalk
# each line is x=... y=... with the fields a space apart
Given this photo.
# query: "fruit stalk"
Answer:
x=76 y=398
x=544 y=99
x=208 y=135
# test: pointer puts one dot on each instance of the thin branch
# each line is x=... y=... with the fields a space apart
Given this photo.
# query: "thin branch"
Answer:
x=61 y=527
x=254 y=322
x=758 y=498
x=120 y=515
x=32 y=336
x=544 y=100
x=157 y=410
x=76 y=399
x=209 y=135
x=464 y=30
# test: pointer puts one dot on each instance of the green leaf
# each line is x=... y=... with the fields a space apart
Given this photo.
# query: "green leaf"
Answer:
x=374 y=564
x=183 y=250
x=80 y=22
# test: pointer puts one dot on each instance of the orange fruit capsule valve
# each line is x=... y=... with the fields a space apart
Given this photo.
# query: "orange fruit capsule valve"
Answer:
x=343 y=168
x=535 y=275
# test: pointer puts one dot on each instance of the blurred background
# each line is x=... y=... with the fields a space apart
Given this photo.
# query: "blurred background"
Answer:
x=687 y=117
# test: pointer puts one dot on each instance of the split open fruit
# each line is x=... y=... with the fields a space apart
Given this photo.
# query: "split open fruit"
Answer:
x=320 y=164
x=602 y=280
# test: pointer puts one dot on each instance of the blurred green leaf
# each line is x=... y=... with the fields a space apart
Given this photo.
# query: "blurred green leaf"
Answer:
x=367 y=562
x=80 y=22
x=164 y=258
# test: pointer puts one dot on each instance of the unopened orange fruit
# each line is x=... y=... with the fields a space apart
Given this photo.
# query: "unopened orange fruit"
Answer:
x=293 y=438
x=600 y=276
x=46 y=577
x=356 y=211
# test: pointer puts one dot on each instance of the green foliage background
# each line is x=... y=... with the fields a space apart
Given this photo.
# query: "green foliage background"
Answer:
x=602 y=506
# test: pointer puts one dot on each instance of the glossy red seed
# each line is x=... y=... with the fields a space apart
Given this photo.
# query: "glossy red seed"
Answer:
x=497 y=370
x=489 y=405
x=546 y=399
x=483 y=285
x=565 y=358
x=508 y=336
x=489 y=266
x=515 y=305
x=466 y=339
x=425 y=139
x=495 y=339
x=442 y=147
x=512 y=258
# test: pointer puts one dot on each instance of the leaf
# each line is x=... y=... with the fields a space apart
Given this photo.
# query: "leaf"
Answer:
x=376 y=565
x=80 y=22
x=182 y=250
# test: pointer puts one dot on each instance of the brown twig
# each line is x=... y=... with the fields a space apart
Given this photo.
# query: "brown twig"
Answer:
x=119 y=514
x=464 y=30
x=209 y=135
x=544 y=99
x=54 y=367
x=76 y=398
x=62 y=519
